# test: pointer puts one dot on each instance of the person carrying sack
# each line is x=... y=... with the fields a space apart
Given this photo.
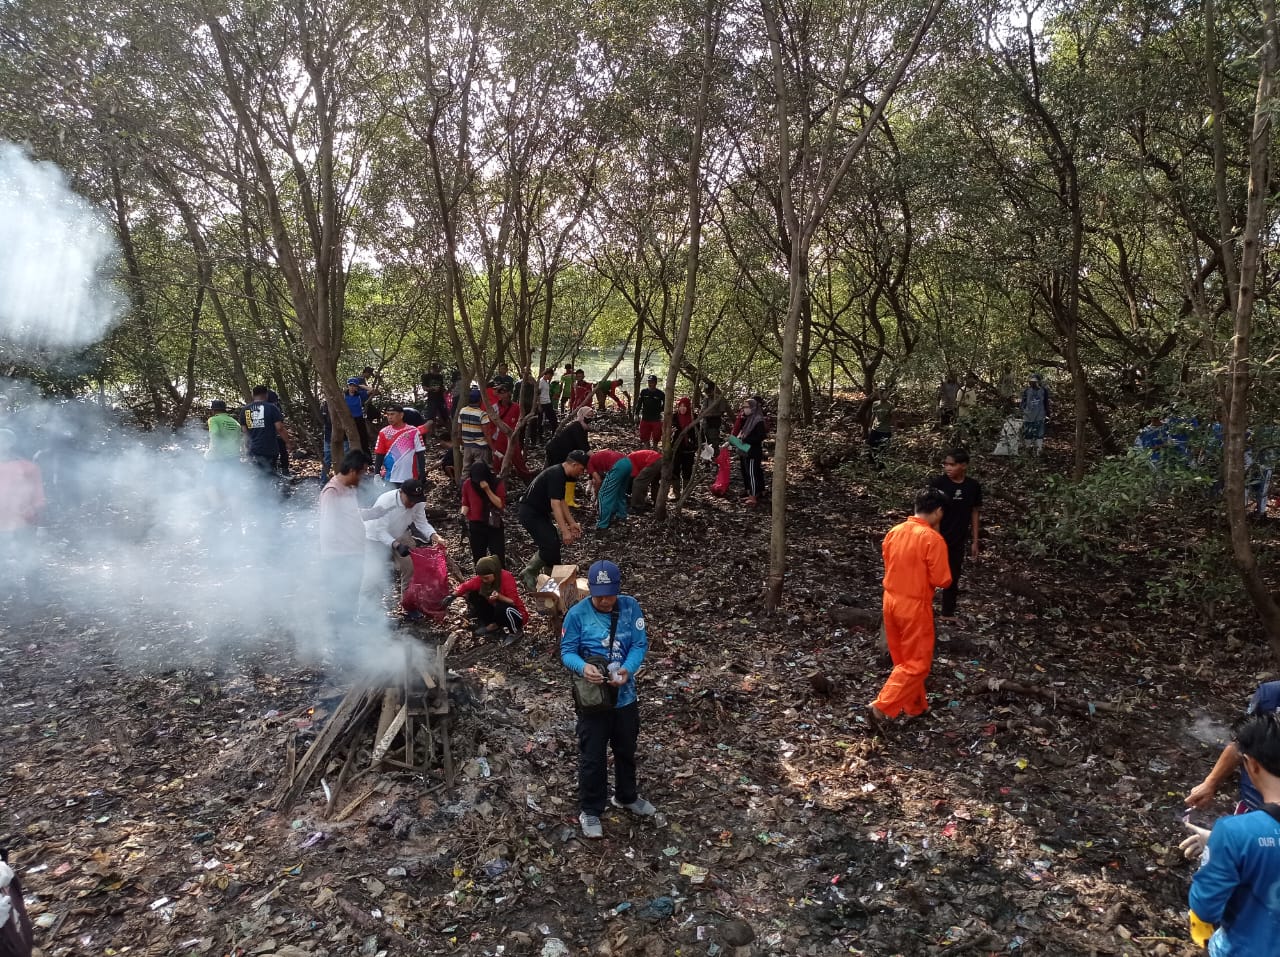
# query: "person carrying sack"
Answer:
x=603 y=643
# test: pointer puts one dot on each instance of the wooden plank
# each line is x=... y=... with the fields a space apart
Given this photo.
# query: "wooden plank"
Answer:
x=384 y=743
x=353 y=709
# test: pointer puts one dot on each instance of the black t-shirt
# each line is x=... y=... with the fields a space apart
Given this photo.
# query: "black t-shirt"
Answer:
x=433 y=381
x=962 y=499
x=259 y=420
x=546 y=486
x=572 y=436
x=503 y=380
x=651 y=403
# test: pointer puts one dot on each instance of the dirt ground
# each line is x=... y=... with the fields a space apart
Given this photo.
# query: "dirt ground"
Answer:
x=138 y=799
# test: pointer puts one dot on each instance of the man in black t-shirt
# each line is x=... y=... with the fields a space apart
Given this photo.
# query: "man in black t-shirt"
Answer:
x=543 y=509
x=651 y=402
x=433 y=383
x=503 y=378
x=264 y=426
x=959 y=526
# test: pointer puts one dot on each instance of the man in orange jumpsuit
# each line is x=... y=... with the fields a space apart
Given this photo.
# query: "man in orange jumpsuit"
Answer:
x=915 y=563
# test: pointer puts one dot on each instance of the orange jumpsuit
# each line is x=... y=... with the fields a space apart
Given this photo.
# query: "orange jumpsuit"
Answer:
x=915 y=563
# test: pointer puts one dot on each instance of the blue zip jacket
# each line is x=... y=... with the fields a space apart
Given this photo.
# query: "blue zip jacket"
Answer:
x=1238 y=886
x=586 y=634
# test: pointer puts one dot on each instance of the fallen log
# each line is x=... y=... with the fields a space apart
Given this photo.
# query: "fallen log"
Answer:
x=1081 y=705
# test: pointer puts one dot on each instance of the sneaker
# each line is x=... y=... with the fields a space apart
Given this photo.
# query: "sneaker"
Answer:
x=639 y=807
x=511 y=637
x=414 y=615
x=590 y=826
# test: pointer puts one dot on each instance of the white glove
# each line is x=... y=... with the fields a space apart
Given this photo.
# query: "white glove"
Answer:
x=1193 y=847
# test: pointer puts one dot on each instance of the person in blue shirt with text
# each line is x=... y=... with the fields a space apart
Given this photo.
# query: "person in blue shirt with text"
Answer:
x=608 y=627
x=1235 y=896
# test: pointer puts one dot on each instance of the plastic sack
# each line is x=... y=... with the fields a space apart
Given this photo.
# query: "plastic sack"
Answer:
x=706 y=453
x=1010 y=436
x=721 y=485
x=429 y=586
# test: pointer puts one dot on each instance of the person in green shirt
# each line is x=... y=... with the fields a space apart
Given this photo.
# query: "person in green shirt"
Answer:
x=223 y=472
x=225 y=434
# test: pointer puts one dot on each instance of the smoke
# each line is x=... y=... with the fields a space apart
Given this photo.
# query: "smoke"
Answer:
x=56 y=260
x=186 y=564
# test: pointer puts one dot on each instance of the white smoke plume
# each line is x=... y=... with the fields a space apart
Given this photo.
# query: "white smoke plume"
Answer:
x=56 y=260
x=139 y=536
x=188 y=565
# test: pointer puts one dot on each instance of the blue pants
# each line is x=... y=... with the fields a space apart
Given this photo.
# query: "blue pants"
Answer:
x=613 y=493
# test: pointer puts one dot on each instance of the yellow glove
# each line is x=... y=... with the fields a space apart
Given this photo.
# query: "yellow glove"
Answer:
x=1200 y=931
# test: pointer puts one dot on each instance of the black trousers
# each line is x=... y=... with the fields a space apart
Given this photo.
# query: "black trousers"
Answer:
x=682 y=470
x=752 y=475
x=546 y=416
x=877 y=445
x=487 y=540
x=483 y=612
x=955 y=558
x=618 y=729
x=543 y=532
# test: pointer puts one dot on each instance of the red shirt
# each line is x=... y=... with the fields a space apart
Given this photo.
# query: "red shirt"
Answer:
x=506 y=585
x=474 y=500
x=601 y=462
x=581 y=395
x=643 y=458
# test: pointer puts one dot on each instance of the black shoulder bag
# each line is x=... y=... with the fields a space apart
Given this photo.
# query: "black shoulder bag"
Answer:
x=590 y=698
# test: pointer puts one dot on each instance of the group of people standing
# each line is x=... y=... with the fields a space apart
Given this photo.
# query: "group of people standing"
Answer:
x=491 y=424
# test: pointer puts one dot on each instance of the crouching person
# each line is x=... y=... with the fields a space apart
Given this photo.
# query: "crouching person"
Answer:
x=603 y=643
x=492 y=600
x=1234 y=906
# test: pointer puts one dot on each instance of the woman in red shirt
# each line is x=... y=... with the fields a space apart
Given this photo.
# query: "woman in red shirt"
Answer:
x=484 y=497
x=493 y=601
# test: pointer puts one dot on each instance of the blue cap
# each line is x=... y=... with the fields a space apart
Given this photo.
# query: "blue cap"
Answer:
x=354 y=380
x=603 y=578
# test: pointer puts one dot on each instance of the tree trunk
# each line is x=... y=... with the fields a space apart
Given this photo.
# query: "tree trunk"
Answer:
x=693 y=188
x=1237 y=423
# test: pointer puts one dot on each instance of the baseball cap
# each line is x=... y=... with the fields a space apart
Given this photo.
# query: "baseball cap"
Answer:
x=603 y=578
x=414 y=490
x=217 y=405
x=577 y=455
x=653 y=378
x=354 y=380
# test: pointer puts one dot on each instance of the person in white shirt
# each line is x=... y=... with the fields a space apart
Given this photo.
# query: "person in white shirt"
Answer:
x=388 y=527
x=546 y=408
x=342 y=537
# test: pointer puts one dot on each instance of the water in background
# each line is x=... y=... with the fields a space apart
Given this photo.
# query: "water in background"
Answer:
x=597 y=362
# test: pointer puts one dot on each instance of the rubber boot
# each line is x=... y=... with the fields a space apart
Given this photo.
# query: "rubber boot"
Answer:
x=569 y=488
x=529 y=575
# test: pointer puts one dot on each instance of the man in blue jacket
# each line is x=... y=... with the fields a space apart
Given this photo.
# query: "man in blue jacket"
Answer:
x=586 y=634
x=1235 y=896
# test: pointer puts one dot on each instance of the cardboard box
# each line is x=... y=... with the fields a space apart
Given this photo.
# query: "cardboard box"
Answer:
x=568 y=589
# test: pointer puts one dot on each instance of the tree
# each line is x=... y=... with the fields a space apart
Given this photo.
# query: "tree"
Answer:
x=811 y=170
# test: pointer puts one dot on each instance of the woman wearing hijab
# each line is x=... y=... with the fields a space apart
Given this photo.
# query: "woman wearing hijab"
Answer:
x=572 y=437
x=484 y=496
x=492 y=600
x=684 y=440
x=749 y=436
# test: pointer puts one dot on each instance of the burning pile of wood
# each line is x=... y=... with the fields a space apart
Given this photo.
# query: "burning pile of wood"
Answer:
x=404 y=725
